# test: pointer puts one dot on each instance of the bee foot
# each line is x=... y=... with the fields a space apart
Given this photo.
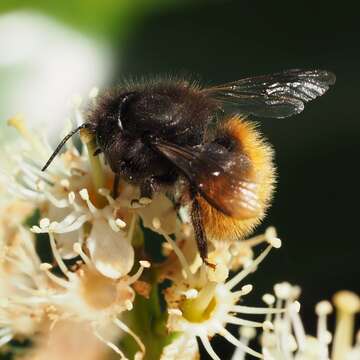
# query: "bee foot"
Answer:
x=211 y=265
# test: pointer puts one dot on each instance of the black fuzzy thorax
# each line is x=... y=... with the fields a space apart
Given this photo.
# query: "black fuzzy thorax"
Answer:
x=128 y=119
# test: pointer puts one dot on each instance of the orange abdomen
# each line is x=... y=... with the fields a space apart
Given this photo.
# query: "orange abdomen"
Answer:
x=259 y=153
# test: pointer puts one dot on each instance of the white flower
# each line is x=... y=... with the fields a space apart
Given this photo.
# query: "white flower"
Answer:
x=287 y=338
x=97 y=246
x=86 y=295
x=204 y=302
x=23 y=309
x=83 y=221
x=182 y=348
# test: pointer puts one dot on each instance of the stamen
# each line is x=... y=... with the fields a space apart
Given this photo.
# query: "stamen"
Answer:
x=30 y=291
x=246 y=334
x=191 y=293
x=253 y=241
x=237 y=321
x=126 y=329
x=283 y=290
x=129 y=305
x=255 y=310
x=110 y=345
x=156 y=223
x=180 y=255
x=58 y=257
x=18 y=263
x=78 y=249
x=26 y=194
x=65 y=183
x=242 y=274
x=269 y=299
x=76 y=225
x=205 y=341
x=120 y=223
x=106 y=193
x=233 y=340
x=113 y=225
x=143 y=265
x=34 y=173
x=176 y=312
x=44 y=223
x=46 y=268
x=116 y=224
x=347 y=305
x=323 y=309
x=297 y=325
x=84 y=194
x=28 y=176
x=29 y=246
x=268 y=326
x=324 y=337
x=62 y=203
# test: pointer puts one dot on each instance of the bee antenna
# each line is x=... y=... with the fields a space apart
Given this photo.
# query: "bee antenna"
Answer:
x=62 y=143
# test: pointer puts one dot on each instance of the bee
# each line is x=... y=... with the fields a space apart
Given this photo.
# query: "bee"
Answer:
x=159 y=133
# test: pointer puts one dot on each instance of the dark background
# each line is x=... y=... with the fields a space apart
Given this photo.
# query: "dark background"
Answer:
x=317 y=152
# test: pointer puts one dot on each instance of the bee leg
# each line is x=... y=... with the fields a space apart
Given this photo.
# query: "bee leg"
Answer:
x=148 y=187
x=97 y=152
x=115 y=189
x=200 y=234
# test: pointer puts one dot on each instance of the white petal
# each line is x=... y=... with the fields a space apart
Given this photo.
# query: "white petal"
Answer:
x=65 y=242
x=110 y=251
x=162 y=208
x=183 y=348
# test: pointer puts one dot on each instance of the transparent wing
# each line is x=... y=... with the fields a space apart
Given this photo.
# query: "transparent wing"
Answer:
x=221 y=178
x=277 y=95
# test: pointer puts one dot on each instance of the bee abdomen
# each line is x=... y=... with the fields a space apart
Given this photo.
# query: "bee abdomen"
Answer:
x=249 y=188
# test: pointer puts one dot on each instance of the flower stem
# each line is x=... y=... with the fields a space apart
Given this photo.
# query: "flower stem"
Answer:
x=148 y=321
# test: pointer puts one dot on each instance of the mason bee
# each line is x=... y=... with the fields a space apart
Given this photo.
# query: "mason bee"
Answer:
x=156 y=133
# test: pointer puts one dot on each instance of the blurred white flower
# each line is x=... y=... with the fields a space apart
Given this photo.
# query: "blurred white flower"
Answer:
x=182 y=348
x=288 y=340
x=23 y=308
x=43 y=63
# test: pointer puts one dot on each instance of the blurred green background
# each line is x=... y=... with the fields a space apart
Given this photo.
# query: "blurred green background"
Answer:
x=317 y=152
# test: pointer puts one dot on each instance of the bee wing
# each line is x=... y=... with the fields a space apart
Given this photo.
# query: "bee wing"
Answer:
x=277 y=95
x=221 y=178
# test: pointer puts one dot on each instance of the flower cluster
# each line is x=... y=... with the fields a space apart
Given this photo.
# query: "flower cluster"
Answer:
x=76 y=267
x=287 y=339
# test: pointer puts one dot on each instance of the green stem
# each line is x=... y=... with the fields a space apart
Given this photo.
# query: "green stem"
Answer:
x=148 y=321
x=97 y=172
